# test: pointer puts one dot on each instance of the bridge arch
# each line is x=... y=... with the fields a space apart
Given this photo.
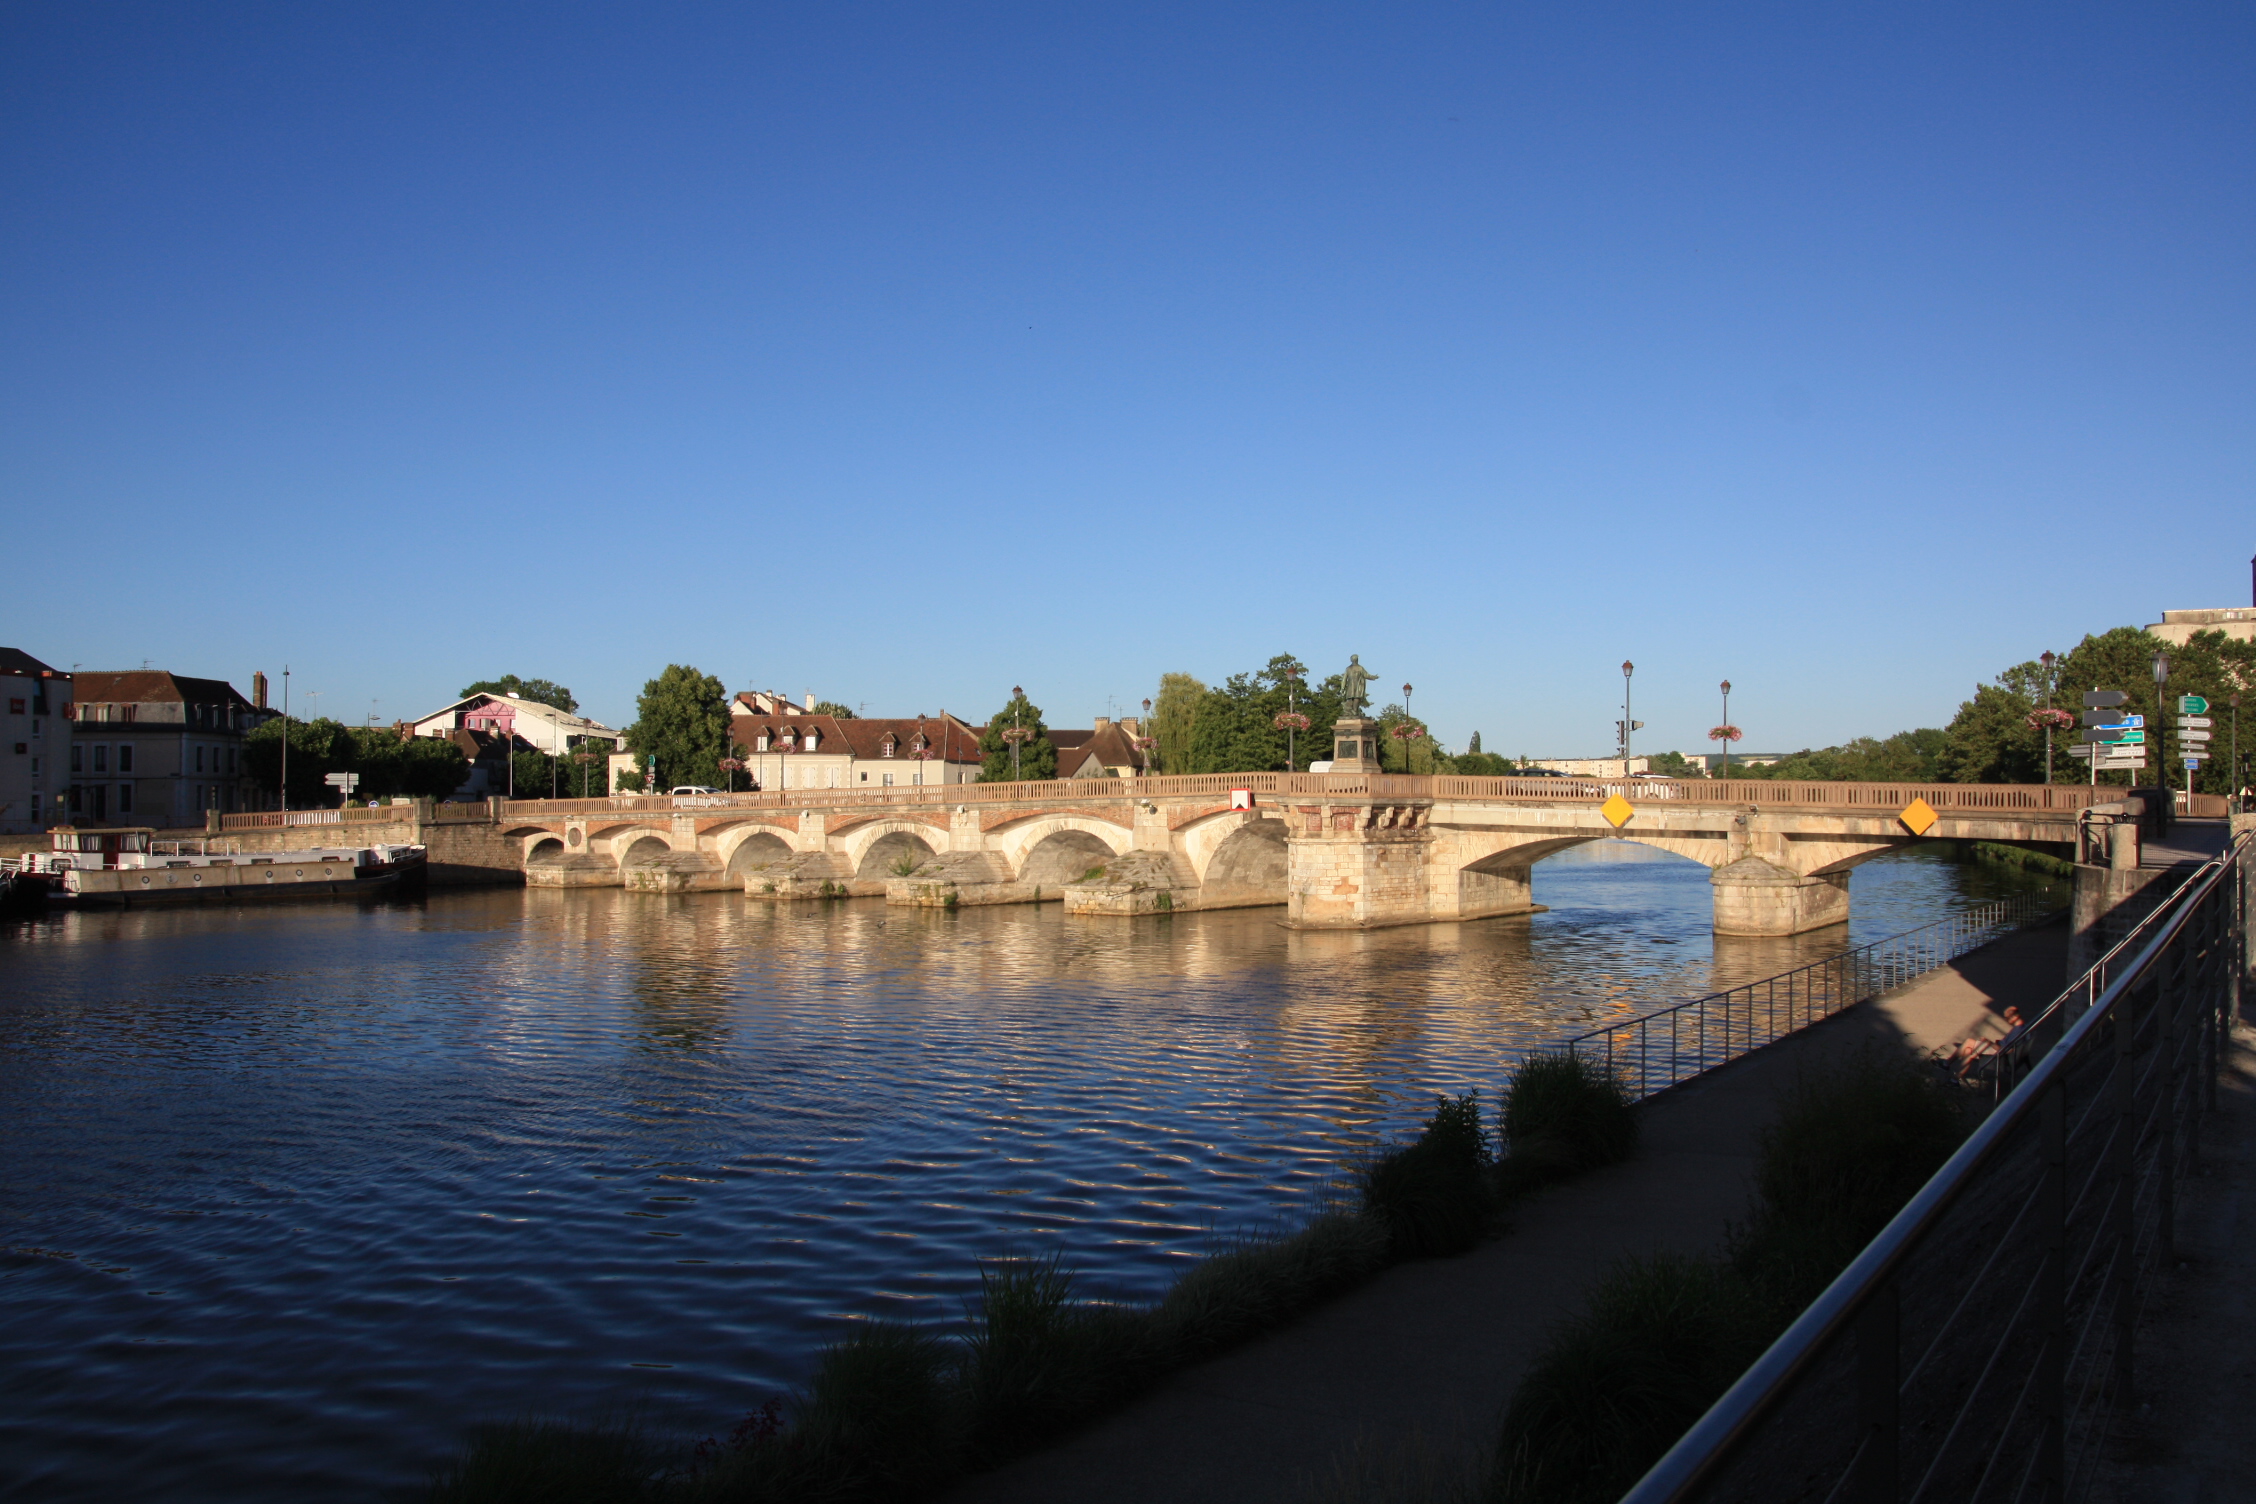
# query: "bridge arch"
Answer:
x=757 y=849
x=643 y=850
x=855 y=846
x=1063 y=856
x=544 y=849
x=1017 y=843
x=1252 y=862
x=890 y=849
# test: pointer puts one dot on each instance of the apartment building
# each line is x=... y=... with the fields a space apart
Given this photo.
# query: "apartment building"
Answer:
x=36 y=732
x=148 y=747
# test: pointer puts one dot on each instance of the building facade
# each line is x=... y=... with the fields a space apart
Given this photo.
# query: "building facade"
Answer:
x=2234 y=621
x=149 y=747
x=787 y=747
x=34 y=788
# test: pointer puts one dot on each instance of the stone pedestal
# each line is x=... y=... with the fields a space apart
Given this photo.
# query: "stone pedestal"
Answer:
x=1355 y=745
x=1755 y=897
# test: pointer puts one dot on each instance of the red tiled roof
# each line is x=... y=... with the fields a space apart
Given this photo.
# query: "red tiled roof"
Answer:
x=861 y=737
x=152 y=686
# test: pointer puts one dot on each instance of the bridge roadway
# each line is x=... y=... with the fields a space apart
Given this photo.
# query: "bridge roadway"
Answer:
x=1336 y=850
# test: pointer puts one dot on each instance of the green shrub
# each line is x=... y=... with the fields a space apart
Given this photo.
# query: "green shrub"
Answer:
x=879 y=1419
x=1037 y=1359
x=1850 y=1145
x=1659 y=1339
x=1563 y=1114
x=1255 y=1283
x=1433 y=1195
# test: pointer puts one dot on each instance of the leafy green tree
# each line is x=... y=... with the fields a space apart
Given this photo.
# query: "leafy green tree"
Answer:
x=1409 y=754
x=540 y=691
x=1484 y=765
x=422 y=767
x=1906 y=757
x=1473 y=747
x=1037 y=755
x=1174 y=720
x=681 y=724
x=317 y=749
x=632 y=779
x=833 y=708
x=1673 y=765
x=1236 y=730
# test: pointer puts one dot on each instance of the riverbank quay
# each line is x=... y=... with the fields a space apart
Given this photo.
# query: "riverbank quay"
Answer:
x=2188 y=1436
x=1422 y=1361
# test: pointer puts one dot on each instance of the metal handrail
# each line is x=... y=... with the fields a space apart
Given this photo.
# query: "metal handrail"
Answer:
x=1865 y=1296
x=1795 y=999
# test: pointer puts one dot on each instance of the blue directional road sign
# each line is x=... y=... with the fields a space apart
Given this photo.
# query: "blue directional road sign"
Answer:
x=2113 y=720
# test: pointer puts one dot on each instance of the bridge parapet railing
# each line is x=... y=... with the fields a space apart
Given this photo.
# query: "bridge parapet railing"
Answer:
x=1979 y=1348
x=276 y=819
x=1945 y=798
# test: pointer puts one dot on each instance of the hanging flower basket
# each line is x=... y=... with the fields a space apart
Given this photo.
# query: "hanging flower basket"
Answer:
x=1724 y=733
x=1291 y=720
x=1017 y=734
x=1143 y=743
x=2059 y=720
x=732 y=764
x=1407 y=732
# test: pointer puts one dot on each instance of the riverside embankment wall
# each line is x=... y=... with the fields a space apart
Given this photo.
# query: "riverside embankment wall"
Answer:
x=463 y=854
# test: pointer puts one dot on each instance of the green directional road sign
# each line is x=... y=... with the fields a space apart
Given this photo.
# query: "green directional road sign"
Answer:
x=2192 y=705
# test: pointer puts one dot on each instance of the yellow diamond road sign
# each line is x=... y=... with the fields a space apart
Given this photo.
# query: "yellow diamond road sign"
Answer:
x=1918 y=815
x=1618 y=810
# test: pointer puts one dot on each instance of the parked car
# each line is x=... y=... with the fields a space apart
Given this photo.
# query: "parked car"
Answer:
x=1538 y=773
x=692 y=788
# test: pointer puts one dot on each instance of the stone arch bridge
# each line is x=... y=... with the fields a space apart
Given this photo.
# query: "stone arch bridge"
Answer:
x=1336 y=850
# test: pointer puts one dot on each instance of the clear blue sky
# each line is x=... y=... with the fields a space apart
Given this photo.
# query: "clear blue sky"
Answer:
x=906 y=353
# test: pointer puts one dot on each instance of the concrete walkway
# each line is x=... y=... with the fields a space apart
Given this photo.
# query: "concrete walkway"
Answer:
x=2192 y=1435
x=1432 y=1350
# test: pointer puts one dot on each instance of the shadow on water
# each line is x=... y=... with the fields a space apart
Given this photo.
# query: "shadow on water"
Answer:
x=292 y=1195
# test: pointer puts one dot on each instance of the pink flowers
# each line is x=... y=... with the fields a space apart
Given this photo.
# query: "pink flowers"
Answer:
x=2059 y=720
x=1291 y=720
x=1724 y=733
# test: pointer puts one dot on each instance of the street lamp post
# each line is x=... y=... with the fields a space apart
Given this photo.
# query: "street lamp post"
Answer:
x=2048 y=660
x=1406 y=721
x=1629 y=724
x=285 y=741
x=1727 y=722
x=2161 y=718
x=1017 y=733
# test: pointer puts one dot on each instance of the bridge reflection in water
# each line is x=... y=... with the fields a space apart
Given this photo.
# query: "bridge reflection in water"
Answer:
x=306 y=1192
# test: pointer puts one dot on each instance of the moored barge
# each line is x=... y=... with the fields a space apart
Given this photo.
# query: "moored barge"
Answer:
x=127 y=865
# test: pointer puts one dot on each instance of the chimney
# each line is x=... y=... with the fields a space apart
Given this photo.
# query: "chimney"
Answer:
x=1103 y=721
x=258 y=690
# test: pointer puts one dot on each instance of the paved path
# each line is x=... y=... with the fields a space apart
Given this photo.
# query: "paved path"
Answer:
x=1432 y=1350
x=2192 y=1437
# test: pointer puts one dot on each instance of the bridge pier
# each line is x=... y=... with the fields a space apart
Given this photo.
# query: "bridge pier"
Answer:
x=1755 y=897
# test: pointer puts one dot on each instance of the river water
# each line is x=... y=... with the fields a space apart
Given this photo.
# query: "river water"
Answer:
x=293 y=1195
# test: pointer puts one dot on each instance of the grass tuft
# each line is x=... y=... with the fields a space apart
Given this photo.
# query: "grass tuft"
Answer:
x=552 y=1462
x=1563 y=1114
x=1433 y=1195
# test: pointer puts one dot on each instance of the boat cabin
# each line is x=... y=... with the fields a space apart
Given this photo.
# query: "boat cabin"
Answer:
x=101 y=847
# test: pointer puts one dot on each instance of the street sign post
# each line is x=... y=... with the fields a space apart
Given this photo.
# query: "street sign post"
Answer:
x=2113 y=718
x=2192 y=705
x=2111 y=736
x=2101 y=698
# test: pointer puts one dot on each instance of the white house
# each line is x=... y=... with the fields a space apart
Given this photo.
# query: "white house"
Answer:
x=544 y=728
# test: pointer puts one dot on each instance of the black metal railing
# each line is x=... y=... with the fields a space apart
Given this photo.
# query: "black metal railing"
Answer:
x=1976 y=1348
x=1657 y=1050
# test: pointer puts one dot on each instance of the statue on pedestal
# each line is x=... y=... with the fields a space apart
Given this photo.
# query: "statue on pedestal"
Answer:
x=1355 y=747
x=1355 y=686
